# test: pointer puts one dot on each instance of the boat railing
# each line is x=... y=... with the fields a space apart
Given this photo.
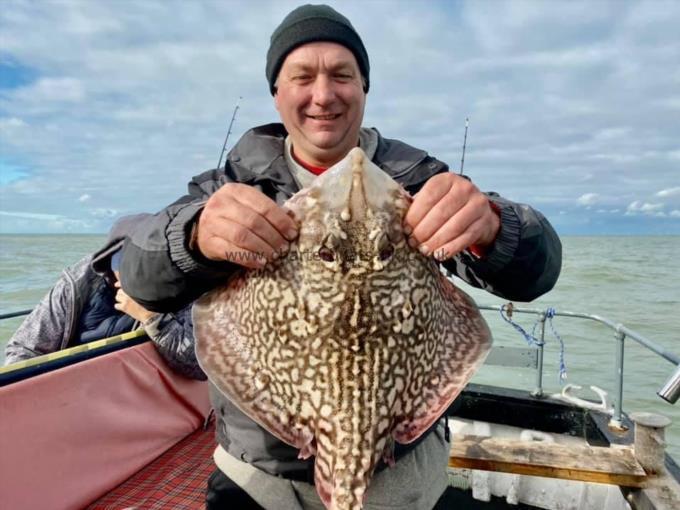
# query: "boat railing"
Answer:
x=18 y=313
x=621 y=333
x=669 y=392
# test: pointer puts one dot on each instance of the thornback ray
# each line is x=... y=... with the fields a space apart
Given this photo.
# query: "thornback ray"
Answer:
x=351 y=341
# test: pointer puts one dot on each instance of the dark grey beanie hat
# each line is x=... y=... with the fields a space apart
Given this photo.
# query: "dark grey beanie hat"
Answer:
x=310 y=23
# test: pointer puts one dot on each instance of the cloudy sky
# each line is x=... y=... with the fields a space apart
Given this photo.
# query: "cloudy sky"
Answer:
x=108 y=107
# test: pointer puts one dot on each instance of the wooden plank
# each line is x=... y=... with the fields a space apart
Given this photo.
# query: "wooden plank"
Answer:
x=616 y=466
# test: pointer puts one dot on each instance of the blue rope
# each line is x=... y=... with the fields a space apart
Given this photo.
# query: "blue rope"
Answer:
x=529 y=337
x=549 y=314
x=535 y=342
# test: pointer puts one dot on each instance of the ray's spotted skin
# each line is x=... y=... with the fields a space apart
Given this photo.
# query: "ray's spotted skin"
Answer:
x=352 y=341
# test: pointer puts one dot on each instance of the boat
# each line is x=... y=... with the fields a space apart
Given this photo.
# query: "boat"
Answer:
x=108 y=425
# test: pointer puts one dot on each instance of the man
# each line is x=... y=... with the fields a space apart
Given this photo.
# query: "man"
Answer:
x=88 y=304
x=318 y=72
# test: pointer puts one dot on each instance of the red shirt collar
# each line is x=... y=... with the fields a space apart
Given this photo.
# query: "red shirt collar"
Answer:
x=316 y=170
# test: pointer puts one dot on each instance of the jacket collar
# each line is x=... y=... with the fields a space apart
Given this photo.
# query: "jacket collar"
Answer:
x=259 y=156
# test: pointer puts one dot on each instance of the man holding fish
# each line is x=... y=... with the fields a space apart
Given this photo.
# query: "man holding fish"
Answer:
x=232 y=219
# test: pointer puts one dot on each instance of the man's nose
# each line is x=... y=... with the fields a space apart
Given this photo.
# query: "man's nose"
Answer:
x=323 y=92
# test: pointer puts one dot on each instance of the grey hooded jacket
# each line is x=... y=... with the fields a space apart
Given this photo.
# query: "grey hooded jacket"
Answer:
x=53 y=323
x=160 y=272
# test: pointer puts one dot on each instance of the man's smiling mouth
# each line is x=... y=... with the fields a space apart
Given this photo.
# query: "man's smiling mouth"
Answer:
x=328 y=116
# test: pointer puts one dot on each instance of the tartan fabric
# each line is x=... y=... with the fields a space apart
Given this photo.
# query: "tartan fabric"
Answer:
x=176 y=480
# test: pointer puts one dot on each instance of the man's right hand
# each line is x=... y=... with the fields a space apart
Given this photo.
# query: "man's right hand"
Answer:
x=242 y=225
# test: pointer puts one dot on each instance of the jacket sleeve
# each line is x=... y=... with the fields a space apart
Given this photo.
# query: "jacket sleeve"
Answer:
x=44 y=329
x=526 y=257
x=524 y=261
x=173 y=336
x=158 y=270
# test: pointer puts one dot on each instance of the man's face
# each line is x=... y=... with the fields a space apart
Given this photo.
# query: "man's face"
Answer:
x=321 y=99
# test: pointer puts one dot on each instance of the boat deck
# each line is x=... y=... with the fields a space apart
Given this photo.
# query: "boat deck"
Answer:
x=177 y=479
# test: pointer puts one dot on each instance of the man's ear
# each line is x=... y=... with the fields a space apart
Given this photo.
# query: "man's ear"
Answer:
x=276 y=100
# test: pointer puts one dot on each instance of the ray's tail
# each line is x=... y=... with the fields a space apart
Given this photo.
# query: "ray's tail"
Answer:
x=345 y=462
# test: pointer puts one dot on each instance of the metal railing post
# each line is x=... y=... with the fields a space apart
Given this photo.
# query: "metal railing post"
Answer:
x=616 y=420
x=538 y=391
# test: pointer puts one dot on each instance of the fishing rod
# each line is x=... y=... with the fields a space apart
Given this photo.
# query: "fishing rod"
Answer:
x=226 y=139
x=462 y=159
x=447 y=272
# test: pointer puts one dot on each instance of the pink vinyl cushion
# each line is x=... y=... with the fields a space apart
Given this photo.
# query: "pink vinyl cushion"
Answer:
x=69 y=436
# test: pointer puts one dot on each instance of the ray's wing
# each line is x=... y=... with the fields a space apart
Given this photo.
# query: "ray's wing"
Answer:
x=247 y=344
x=464 y=344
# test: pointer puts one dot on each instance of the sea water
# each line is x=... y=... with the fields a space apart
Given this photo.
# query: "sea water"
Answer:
x=634 y=281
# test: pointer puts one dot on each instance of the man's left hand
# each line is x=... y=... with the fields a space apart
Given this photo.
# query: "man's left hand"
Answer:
x=448 y=215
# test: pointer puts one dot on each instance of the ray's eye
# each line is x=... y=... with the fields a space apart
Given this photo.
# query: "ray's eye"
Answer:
x=386 y=252
x=326 y=254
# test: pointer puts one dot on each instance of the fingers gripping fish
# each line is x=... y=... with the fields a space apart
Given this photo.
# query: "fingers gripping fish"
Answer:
x=352 y=341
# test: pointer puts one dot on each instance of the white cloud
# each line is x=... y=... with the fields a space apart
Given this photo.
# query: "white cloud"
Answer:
x=52 y=90
x=8 y=124
x=31 y=215
x=675 y=213
x=612 y=133
x=588 y=199
x=669 y=192
x=104 y=213
x=23 y=221
x=145 y=94
x=84 y=198
x=645 y=208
